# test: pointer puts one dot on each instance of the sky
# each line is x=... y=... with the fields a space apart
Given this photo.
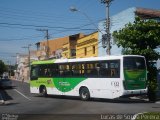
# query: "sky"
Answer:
x=21 y=19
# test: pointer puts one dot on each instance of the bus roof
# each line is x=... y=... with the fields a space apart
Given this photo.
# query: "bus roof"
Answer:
x=82 y=59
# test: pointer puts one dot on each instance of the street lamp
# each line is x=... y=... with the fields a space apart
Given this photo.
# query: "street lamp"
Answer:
x=29 y=64
x=104 y=36
x=74 y=9
x=108 y=35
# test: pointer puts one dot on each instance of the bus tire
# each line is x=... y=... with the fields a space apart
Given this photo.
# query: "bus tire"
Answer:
x=43 y=91
x=84 y=94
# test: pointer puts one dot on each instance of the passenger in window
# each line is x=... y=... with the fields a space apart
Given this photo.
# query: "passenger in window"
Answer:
x=113 y=73
x=46 y=72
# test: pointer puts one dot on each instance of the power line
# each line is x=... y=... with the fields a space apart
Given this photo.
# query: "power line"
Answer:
x=40 y=26
x=31 y=37
x=39 y=19
x=36 y=18
x=25 y=13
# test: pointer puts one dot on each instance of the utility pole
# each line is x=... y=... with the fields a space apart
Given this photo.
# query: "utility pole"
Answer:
x=29 y=57
x=108 y=35
x=9 y=68
x=47 y=37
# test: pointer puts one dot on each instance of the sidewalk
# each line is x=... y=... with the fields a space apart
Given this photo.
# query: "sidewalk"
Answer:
x=145 y=98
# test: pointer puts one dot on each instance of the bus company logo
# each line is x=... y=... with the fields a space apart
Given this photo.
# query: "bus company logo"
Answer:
x=64 y=83
x=9 y=117
x=49 y=81
x=115 y=84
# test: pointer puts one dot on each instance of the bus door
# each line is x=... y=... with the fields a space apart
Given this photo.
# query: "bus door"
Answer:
x=64 y=72
x=34 y=78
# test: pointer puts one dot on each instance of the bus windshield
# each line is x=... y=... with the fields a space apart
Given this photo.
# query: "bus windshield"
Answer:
x=134 y=63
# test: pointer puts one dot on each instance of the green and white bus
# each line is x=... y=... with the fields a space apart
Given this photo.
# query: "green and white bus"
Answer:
x=98 y=77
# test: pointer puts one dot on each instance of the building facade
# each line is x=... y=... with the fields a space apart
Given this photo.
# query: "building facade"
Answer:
x=22 y=71
x=87 y=46
x=69 y=49
x=60 y=47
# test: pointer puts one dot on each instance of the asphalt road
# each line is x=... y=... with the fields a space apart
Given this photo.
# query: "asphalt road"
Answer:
x=23 y=105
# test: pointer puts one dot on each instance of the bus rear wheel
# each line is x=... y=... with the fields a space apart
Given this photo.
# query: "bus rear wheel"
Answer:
x=43 y=91
x=84 y=94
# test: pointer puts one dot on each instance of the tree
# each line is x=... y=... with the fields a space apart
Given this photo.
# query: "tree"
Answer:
x=3 y=67
x=141 y=38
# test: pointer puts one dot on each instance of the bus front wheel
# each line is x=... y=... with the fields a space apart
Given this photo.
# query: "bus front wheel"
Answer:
x=43 y=91
x=84 y=94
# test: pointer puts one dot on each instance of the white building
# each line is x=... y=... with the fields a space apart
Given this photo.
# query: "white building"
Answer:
x=22 y=72
x=119 y=21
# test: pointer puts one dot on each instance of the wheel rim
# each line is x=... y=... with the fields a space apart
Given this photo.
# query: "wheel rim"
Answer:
x=84 y=95
x=44 y=91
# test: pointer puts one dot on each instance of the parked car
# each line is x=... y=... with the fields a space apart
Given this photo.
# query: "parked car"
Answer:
x=5 y=83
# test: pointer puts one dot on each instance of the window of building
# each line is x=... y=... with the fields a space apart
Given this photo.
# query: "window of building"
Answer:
x=85 y=51
x=38 y=45
x=94 y=49
x=73 y=52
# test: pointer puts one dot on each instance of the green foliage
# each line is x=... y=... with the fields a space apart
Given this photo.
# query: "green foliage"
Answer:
x=3 y=67
x=140 y=38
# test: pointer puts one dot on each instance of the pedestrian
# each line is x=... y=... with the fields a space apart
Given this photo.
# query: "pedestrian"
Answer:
x=22 y=79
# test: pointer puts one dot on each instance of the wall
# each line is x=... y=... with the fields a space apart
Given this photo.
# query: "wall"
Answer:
x=118 y=21
x=87 y=43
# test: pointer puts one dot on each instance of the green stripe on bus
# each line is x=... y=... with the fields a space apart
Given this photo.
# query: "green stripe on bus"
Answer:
x=43 y=62
x=67 y=84
x=62 y=84
x=48 y=82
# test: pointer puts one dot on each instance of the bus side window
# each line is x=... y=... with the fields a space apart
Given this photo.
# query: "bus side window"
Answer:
x=113 y=72
x=104 y=69
x=75 y=69
x=64 y=70
x=109 y=69
x=55 y=70
x=115 y=68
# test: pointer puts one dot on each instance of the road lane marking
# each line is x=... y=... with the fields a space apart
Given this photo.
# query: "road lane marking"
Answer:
x=22 y=94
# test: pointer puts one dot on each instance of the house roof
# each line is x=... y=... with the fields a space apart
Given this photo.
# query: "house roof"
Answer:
x=147 y=13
